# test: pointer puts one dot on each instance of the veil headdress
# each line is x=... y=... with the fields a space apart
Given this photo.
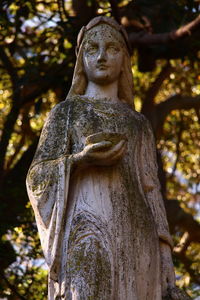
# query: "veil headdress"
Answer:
x=79 y=81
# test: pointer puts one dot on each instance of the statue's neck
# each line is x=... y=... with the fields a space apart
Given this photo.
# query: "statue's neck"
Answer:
x=96 y=91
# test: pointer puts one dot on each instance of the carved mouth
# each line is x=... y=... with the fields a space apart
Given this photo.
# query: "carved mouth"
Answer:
x=102 y=67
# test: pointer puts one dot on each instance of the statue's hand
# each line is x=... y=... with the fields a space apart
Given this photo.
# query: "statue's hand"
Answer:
x=167 y=269
x=102 y=153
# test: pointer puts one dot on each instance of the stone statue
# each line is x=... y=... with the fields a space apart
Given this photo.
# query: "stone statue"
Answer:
x=93 y=183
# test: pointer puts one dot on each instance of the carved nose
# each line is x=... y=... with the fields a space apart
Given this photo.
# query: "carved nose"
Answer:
x=102 y=55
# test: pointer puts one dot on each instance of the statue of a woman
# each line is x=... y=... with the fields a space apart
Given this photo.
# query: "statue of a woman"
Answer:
x=93 y=183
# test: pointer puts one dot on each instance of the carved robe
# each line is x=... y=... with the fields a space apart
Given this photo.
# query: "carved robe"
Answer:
x=99 y=227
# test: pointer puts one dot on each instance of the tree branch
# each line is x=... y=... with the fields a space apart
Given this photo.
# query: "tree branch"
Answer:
x=17 y=150
x=8 y=129
x=154 y=89
x=182 y=220
x=177 y=217
x=144 y=38
x=44 y=83
x=8 y=66
x=115 y=10
x=62 y=11
x=179 y=135
x=12 y=116
x=186 y=29
x=24 y=95
x=84 y=11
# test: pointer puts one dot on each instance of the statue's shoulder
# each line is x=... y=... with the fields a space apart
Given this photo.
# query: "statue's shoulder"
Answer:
x=64 y=111
x=142 y=124
x=139 y=118
x=57 y=116
x=60 y=107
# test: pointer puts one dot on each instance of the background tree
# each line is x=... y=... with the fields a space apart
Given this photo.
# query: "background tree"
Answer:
x=37 y=55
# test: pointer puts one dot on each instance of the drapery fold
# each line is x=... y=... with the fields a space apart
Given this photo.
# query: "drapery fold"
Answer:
x=48 y=185
x=150 y=182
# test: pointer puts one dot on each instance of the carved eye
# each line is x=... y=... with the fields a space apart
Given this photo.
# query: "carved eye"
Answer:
x=91 y=49
x=113 y=49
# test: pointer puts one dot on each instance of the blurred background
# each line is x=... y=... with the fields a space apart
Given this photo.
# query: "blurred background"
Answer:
x=37 y=56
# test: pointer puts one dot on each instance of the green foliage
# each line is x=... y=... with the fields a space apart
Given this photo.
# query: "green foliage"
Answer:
x=27 y=274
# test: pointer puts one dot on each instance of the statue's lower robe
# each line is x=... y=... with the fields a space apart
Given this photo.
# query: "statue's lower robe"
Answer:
x=114 y=216
x=113 y=250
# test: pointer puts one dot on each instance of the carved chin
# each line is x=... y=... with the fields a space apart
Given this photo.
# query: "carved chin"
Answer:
x=103 y=78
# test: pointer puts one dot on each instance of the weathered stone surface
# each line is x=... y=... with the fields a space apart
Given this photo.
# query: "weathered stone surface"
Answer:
x=93 y=184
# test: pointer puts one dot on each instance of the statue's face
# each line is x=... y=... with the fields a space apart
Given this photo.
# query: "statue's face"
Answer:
x=103 y=55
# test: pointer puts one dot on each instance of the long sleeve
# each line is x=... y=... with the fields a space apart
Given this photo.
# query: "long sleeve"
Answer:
x=48 y=183
x=151 y=184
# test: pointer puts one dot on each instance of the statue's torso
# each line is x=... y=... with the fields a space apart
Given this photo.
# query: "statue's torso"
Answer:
x=109 y=204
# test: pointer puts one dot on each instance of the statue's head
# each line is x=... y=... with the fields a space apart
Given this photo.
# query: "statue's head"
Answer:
x=103 y=57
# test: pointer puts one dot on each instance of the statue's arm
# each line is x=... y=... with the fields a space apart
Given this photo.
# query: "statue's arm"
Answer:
x=49 y=166
x=48 y=183
x=151 y=188
x=151 y=184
